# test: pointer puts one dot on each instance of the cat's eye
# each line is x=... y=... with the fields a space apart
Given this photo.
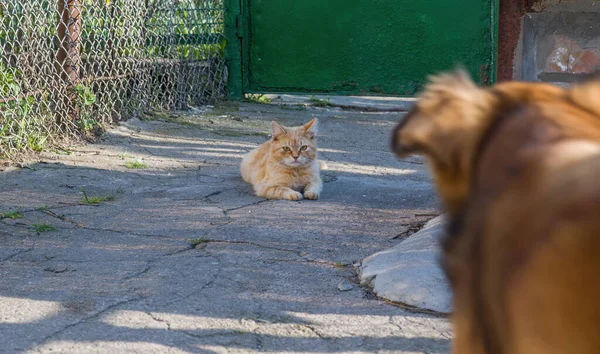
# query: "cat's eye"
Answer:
x=303 y=148
x=286 y=148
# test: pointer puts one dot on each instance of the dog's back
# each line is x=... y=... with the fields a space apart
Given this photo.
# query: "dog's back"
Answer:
x=517 y=167
x=529 y=237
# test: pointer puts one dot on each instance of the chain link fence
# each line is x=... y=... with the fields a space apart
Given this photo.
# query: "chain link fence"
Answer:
x=68 y=67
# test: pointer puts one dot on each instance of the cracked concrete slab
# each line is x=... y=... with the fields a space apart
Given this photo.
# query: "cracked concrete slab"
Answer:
x=180 y=257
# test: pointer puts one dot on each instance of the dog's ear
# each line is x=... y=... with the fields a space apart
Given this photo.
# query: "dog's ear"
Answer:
x=456 y=84
x=438 y=112
x=446 y=126
x=412 y=134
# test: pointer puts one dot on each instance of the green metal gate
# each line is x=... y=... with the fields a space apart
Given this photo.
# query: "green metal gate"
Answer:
x=368 y=47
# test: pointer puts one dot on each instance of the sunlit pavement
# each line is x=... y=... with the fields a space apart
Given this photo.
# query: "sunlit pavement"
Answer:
x=168 y=251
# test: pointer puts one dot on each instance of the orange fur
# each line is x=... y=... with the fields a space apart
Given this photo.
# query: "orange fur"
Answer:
x=587 y=96
x=285 y=167
x=517 y=168
x=453 y=115
x=523 y=258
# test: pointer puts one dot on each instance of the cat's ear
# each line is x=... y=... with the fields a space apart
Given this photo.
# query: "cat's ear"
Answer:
x=310 y=128
x=277 y=130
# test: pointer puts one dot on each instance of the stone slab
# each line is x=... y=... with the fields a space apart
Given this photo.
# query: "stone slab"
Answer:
x=409 y=272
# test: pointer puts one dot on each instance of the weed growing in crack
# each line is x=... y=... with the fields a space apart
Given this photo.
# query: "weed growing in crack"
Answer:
x=257 y=98
x=62 y=151
x=317 y=102
x=44 y=207
x=11 y=215
x=196 y=241
x=339 y=265
x=44 y=227
x=135 y=164
x=95 y=200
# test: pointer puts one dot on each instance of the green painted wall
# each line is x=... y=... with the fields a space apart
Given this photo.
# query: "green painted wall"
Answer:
x=363 y=46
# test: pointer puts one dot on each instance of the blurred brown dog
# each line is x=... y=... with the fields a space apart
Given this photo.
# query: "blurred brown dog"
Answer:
x=517 y=167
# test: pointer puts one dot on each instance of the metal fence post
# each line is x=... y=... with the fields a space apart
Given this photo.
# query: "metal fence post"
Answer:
x=233 y=11
x=69 y=52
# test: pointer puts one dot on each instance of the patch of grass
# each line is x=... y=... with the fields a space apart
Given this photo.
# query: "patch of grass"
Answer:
x=99 y=199
x=339 y=265
x=123 y=155
x=95 y=200
x=62 y=151
x=44 y=207
x=44 y=227
x=257 y=98
x=154 y=115
x=22 y=116
x=317 y=102
x=36 y=143
x=196 y=241
x=293 y=107
x=135 y=164
x=11 y=215
x=226 y=124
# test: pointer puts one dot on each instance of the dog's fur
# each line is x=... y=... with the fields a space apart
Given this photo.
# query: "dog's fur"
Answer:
x=517 y=167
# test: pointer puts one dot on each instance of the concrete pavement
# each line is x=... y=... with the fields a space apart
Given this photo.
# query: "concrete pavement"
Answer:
x=177 y=256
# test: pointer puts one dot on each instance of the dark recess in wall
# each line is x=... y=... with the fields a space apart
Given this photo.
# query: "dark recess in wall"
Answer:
x=511 y=14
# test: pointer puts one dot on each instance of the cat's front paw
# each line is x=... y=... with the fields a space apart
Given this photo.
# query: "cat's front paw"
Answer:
x=311 y=195
x=293 y=195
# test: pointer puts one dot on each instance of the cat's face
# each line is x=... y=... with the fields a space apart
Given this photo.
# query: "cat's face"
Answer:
x=294 y=147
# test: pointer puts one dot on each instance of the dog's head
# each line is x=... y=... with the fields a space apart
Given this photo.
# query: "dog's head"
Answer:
x=446 y=126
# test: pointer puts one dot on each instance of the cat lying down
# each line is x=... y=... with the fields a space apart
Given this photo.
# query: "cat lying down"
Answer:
x=286 y=166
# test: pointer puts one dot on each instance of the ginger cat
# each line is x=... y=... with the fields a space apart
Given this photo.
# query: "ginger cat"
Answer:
x=286 y=165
